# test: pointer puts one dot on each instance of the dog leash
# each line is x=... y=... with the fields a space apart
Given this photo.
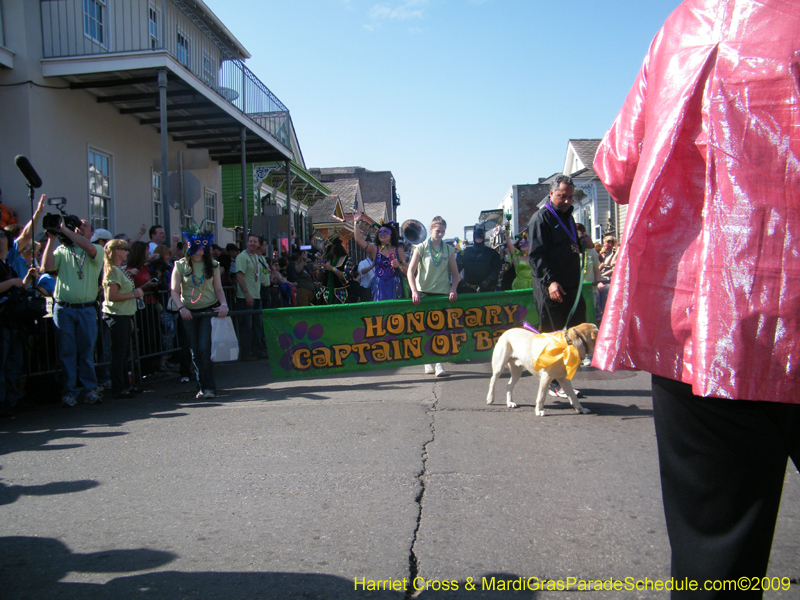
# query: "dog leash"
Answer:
x=578 y=295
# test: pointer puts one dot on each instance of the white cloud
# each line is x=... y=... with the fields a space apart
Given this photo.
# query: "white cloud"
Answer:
x=408 y=9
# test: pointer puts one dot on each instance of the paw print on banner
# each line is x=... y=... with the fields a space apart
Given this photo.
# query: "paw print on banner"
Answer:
x=303 y=337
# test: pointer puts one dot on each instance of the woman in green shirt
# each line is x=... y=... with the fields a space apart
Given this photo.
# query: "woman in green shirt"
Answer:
x=197 y=287
x=119 y=307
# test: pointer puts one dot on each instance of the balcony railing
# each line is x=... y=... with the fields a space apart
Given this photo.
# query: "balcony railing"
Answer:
x=72 y=28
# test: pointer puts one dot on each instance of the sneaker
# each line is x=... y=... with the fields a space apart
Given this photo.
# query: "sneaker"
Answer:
x=69 y=401
x=125 y=394
x=560 y=393
x=185 y=379
x=207 y=395
x=439 y=370
x=429 y=370
x=93 y=397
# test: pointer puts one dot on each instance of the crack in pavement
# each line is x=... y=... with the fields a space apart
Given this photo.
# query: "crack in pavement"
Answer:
x=413 y=564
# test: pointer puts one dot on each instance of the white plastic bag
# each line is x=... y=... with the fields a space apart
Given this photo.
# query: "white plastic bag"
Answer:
x=224 y=345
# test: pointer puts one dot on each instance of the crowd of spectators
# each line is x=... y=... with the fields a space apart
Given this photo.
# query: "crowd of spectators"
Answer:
x=112 y=297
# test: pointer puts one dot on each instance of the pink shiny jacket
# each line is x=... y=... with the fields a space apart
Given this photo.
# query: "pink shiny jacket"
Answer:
x=706 y=152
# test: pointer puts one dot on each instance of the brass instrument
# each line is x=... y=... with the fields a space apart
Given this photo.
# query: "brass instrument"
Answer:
x=413 y=231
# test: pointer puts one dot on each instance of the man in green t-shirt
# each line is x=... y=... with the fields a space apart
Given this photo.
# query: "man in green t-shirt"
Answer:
x=78 y=263
x=248 y=297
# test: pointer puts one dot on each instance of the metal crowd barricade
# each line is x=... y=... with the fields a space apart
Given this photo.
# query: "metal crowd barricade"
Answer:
x=156 y=336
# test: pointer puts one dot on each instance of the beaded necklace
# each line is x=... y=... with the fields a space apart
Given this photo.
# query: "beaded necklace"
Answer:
x=202 y=279
x=83 y=260
x=255 y=265
x=436 y=256
x=128 y=275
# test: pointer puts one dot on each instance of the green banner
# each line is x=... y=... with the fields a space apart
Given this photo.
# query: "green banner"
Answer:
x=328 y=340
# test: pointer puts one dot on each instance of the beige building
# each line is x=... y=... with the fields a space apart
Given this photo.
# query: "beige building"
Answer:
x=86 y=87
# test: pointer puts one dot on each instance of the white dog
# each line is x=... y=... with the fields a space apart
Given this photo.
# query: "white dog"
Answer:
x=519 y=348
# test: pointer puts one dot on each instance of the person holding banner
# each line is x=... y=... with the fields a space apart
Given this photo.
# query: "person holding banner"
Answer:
x=389 y=258
x=433 y=271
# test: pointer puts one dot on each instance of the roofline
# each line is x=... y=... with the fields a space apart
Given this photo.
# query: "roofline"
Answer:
x=209 y=14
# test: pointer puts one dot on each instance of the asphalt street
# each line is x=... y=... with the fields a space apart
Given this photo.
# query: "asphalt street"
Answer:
x=353 y=487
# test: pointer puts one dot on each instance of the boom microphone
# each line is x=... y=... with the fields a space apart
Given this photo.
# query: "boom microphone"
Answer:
x=24 y=165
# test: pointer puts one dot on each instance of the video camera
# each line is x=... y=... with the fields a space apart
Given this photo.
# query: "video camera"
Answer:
x=51 y=222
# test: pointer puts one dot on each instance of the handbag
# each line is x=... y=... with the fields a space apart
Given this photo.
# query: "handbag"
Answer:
x=224 y=345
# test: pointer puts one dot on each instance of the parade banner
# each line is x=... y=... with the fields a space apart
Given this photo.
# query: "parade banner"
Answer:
x=328 y=340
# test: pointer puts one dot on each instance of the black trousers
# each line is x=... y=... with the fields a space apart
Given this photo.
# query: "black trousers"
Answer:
x=722 y=468
x=553 y=315
x=120 y=327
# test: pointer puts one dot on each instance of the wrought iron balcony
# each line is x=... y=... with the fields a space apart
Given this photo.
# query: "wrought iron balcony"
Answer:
x=141 y=28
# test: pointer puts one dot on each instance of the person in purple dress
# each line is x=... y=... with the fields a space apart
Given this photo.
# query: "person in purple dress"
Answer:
x=389 y=257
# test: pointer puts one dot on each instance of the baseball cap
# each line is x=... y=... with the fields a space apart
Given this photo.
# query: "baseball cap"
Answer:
x=101 y=234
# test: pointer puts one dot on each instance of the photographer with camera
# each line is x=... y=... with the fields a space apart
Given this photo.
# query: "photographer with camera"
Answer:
x=11 y=349
x=78 y=263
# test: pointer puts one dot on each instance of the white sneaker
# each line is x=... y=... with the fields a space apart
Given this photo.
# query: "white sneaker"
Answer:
x=429 y=370
x=440 y=372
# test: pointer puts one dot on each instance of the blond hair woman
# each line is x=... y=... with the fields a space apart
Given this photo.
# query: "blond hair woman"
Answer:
x=119 y=307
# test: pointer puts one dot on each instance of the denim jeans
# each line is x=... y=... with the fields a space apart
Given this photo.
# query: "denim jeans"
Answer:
x=251 y=330
x=198 y=330
x=119 y=328
x=76 y=334
x=10 y=366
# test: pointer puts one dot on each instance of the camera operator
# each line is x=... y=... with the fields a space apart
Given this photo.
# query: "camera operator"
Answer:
x=78 y=263
x=11 y=348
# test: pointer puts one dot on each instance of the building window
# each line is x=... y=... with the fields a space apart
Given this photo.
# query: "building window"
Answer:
x=211 y=211
x=154 y=18
x=187 y=218
x=94 y=16
x=183 y=48
x=158 y=206
x=209 y=70
x=99 y=189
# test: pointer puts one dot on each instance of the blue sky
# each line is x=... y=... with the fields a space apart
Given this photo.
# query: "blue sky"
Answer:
x=460 y=99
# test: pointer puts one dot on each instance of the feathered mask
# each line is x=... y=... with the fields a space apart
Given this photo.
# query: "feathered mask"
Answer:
x=197 y=237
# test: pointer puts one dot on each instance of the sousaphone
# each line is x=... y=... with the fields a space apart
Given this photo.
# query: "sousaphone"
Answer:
x=413 y=231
